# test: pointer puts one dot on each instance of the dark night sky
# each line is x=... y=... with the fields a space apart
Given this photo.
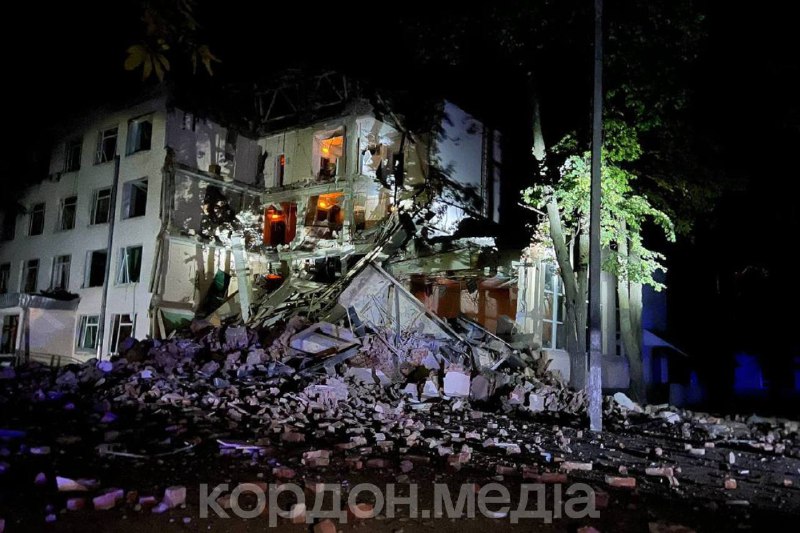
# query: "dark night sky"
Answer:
x=736 y=274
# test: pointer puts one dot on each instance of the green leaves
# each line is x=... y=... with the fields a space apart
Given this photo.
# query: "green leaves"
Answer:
x=170 y=27
x=206 y=57
x=624 y=212
x=149 y=60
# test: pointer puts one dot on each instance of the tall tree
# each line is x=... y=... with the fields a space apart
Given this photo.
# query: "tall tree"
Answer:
x=624 y=215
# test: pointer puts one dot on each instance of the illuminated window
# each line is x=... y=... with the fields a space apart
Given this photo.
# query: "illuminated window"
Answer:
x=36 y=226
x=280 y=170
x=106 y=146
x=87 y=332
x=554 y=333
x=72 y=155
x=329 y=150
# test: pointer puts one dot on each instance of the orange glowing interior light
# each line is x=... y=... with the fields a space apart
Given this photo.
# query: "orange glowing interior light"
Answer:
x=323 y=204
x=325 y=150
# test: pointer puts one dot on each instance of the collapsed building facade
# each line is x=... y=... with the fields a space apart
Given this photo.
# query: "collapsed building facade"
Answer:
x=153 y=216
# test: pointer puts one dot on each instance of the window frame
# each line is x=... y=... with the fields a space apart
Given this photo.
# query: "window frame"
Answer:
x=134 y=143
x=83 y=326
x=117 y=325
x=87 y=278
x=123 y=273
x=26 y=268
x=62 y=210
x=73 y=152
x=128 y=205
x=32 y=216
x=556 y=318
x=94 y=211
x=5 y=277
x=58 y=267
x=100 y=155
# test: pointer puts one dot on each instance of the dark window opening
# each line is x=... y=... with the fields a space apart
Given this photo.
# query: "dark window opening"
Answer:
x=30 y=275
x=101 y=207
x=72 y=155
x=37 y=220
x=5 y=275
x=9 y=227
x=67 y=219
x=9 y=340
x=134 y=199
x=140 y=135
x=97 y=268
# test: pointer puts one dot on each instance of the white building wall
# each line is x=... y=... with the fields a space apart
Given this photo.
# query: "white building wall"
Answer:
x=86 y=237
x=199 y=143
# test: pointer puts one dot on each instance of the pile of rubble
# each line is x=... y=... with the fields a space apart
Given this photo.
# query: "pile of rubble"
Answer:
x=358 y=374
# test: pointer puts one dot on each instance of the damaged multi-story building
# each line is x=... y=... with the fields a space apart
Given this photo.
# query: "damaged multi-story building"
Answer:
x=153 y=216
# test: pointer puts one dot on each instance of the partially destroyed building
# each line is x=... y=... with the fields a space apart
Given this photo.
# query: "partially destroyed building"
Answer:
x=152 y=215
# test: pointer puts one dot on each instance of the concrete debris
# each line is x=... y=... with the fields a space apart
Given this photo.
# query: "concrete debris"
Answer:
x=174 y=496
x=337 y=378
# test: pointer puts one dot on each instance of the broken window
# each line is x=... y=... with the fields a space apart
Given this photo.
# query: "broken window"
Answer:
x=373 y=160
x=96 y=273
x=5 y=274
x=36 y=226
x=121 y=329
x=60 y=279
x=88 y=332
x=130 y=265
x=9 y=227
x=325 y=211
x=30 y=275
x=134 y=198
x=554 y=333
x=329 y=149
x=101 y=206
x=280 y=225
x=72 y=155
x=66 y=220
x=106 y=146
x=280 y=170
x=140 y=134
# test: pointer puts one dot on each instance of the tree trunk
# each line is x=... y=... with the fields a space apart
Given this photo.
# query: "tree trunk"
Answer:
x=576 y=343
x=630 y=320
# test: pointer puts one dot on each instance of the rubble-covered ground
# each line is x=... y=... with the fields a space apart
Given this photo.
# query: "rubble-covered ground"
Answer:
x=125 y=445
